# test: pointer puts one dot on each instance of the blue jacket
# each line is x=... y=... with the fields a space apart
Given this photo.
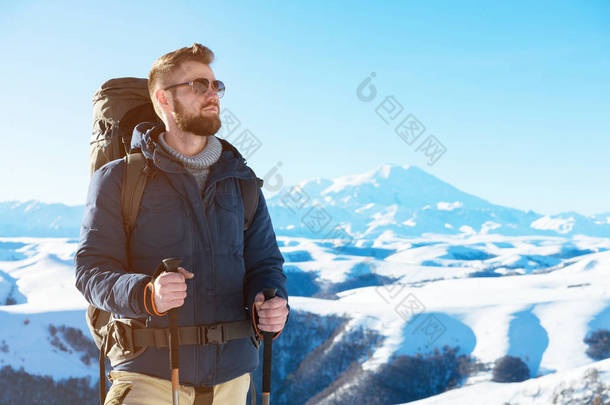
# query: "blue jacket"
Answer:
x=230 y=266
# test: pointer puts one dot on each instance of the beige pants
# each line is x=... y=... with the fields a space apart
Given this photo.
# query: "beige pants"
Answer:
x=140 y=389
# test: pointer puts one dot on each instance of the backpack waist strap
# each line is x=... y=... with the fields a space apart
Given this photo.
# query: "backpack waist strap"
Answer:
x=219 y=333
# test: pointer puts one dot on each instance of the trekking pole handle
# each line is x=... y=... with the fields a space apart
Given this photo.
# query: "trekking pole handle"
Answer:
x=171 y=266
x=269 y=293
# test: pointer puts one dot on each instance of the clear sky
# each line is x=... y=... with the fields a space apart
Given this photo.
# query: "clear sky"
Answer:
x=517 y=92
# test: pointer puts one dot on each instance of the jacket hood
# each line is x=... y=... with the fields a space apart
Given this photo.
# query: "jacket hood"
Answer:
x=145 y=137
x=144 y=134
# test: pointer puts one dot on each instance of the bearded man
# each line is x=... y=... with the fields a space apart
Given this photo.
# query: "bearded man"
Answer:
x=191 y=209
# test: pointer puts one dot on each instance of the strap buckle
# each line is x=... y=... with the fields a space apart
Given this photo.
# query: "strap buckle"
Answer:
x=211 y=334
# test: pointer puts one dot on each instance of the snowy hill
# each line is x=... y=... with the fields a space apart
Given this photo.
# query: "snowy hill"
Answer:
x=583 y=385
x=359 y=306
x=389 y=201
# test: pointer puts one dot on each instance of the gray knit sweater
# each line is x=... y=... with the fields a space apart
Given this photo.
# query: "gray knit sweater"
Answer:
x=198 y=165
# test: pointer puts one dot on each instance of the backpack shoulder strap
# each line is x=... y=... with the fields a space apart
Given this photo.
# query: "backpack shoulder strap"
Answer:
x=249 y=195
x=249 y=187
x=135 y=177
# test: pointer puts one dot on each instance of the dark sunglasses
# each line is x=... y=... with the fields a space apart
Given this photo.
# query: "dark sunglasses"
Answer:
x=201 y=85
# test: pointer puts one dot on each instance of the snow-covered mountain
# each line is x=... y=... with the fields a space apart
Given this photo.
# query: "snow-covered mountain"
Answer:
x=406 y=201
x=34 y=218
x=391 y=200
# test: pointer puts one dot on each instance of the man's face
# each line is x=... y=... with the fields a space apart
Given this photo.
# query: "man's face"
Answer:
x=198 y=114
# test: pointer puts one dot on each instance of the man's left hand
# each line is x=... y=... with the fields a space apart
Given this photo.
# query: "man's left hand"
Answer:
x=272 y=314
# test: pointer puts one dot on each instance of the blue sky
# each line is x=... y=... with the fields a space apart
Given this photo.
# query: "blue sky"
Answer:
x=517 y=92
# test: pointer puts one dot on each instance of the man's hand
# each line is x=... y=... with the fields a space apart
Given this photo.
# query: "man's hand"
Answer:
x=170 y=289
x=272 y=314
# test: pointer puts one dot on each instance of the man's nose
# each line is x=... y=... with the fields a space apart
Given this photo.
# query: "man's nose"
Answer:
x=211 y=97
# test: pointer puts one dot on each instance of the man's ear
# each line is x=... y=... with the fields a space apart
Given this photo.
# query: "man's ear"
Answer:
x=161 y=96
x=164 y=98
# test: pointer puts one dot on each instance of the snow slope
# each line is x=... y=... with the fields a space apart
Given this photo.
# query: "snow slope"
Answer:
x=45 y=279
x=577 y=386
x=540 y=314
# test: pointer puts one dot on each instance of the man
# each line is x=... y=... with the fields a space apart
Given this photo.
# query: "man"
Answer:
x=191 y=209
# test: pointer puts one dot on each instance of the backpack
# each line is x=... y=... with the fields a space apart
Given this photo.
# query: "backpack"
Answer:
x=118 y=106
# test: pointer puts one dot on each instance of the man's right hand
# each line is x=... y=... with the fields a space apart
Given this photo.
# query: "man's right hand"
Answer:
x=170 y=289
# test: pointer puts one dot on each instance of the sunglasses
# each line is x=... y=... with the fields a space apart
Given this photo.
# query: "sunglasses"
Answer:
x=201 y=85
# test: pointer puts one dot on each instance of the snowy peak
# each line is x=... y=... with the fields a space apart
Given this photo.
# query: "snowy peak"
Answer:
x=408 y=185
x=382 y=174
x=315 y=186
x=394 y=200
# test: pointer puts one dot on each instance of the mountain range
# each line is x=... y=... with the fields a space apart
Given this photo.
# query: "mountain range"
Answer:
x=389 y=201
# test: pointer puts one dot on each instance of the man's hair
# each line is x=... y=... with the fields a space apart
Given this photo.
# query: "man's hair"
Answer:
x=167 y=64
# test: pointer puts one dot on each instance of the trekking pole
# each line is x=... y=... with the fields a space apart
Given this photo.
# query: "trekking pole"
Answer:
x=267 y=338
x=171 y=266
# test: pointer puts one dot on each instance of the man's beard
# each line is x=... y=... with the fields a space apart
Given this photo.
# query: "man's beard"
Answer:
x=201 y=125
